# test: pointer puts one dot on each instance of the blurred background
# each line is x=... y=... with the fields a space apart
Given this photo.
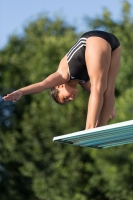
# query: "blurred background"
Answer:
x=34 y=36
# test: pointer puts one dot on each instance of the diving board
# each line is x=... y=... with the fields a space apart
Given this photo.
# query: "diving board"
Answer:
x=100 y=137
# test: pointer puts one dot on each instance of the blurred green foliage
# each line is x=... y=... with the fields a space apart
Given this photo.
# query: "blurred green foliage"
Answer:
x=32 y=166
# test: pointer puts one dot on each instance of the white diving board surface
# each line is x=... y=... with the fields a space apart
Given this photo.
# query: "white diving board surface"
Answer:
x=100 y=137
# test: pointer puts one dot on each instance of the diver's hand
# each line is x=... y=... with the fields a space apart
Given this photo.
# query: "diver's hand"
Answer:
x=14 y=96
x=113 y=114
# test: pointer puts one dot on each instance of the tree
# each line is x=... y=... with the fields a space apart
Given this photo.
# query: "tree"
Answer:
x=30 y=165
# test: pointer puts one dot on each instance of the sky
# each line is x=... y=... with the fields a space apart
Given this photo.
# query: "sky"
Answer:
x=16 y=14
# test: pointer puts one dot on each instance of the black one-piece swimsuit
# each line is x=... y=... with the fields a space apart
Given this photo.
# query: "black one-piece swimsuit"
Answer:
x=76 y=55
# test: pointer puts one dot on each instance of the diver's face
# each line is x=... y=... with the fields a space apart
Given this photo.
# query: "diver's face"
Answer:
x=67 y=93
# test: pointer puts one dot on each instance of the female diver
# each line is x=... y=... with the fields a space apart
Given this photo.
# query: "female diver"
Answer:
x=93 y=62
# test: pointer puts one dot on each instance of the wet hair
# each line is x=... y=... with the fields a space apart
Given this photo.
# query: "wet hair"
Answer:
x=54 y=94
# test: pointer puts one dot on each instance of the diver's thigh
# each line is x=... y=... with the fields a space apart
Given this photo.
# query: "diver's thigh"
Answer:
x=113 y=69
x=98 y=57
